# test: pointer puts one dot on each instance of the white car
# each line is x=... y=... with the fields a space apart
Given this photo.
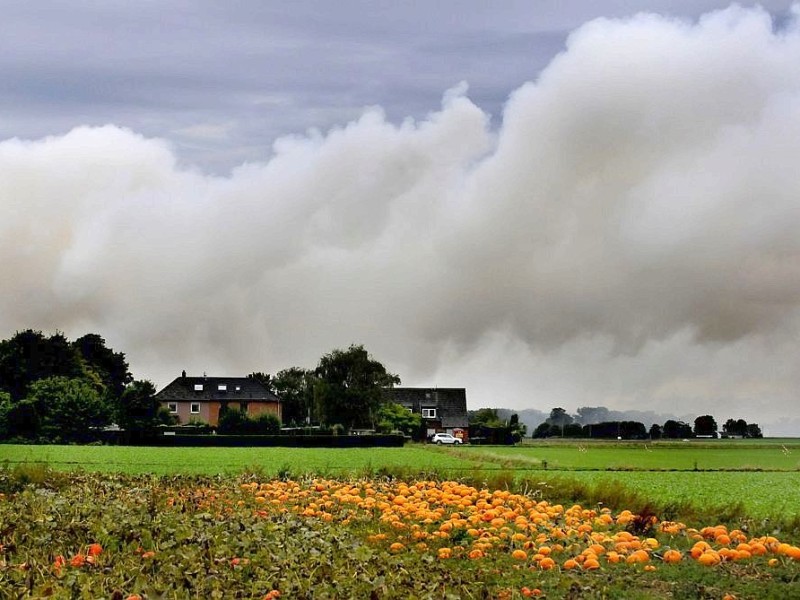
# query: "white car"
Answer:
x=445 y=438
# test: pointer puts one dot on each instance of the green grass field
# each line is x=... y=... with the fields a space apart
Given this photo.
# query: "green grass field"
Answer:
x=761 y=481
x=679 y=456
x=214 y=461
x=756 y=496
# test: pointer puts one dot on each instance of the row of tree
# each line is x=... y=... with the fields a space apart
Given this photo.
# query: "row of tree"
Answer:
x=52 y=388
x=55 y=389
x=562 y=424
x=345 y=388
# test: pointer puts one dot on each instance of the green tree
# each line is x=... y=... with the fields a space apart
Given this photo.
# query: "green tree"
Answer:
x=30 y=355
x=735 y=427
x=265 y=379
x=6 y=410
x=518 y=429
x=705 y=425
x=589 y=415
x=236 y=422
x=349 y=385
x=394 y=417
x=676 y=429
x=295 y=387
x=557 y=424
x=266 y=424
x=138 y=411
x=232 y=421
x=544 y=430
x=103 y=364
x=754 y=431
x=68 y=409
x=560 y=418
x=486 y=417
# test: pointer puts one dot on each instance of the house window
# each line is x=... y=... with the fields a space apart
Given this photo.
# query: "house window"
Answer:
x=428 y=413
x=195 y=408
x=222 y=387
x=198 y=387
x=173 y=407
x=238 y=388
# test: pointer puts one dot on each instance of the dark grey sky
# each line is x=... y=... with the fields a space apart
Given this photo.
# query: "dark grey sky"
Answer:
x=607 y=216
x=222 y=81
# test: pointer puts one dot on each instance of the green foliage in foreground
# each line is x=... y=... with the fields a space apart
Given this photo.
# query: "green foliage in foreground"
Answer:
x=218 y=546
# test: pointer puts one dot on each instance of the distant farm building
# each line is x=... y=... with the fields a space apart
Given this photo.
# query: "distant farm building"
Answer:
x=203 y=398
x=442 y=409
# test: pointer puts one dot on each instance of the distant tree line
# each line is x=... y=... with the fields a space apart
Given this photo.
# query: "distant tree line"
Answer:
x=61 y=390
x=561 y=424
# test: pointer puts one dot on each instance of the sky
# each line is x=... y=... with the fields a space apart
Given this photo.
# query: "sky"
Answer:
x=550 y=203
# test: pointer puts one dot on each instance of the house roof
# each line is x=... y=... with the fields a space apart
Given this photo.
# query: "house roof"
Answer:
x=216 y=389
x=450 y=403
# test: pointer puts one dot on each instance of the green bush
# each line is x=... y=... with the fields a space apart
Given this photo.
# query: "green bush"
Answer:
x=267 y=424
x=233 y=422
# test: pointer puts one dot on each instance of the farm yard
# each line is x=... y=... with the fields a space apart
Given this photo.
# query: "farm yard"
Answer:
x=603 y=520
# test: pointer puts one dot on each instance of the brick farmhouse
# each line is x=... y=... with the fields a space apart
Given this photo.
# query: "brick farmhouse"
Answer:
x=202 y=398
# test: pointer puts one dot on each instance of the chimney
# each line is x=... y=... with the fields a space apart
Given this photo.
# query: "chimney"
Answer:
x=183 y=375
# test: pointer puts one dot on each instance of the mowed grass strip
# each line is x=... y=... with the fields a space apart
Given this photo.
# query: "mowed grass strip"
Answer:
x=642 y=456
x=764 y=500
x=215 y=461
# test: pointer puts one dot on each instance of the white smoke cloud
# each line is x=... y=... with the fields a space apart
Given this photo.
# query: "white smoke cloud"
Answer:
x=627 y=237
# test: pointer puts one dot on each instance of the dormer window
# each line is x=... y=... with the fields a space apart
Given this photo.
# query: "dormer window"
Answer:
x=222 y=387
x=198 y=387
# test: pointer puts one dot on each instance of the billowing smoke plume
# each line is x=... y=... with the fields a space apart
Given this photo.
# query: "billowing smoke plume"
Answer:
x=627 y=237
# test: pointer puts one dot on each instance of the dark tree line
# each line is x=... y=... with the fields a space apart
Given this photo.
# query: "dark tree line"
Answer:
x=54 y=389
x=741 y=428
x=562 y=424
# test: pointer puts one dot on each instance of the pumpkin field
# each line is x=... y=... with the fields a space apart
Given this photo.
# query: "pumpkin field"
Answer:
x=415 y=522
